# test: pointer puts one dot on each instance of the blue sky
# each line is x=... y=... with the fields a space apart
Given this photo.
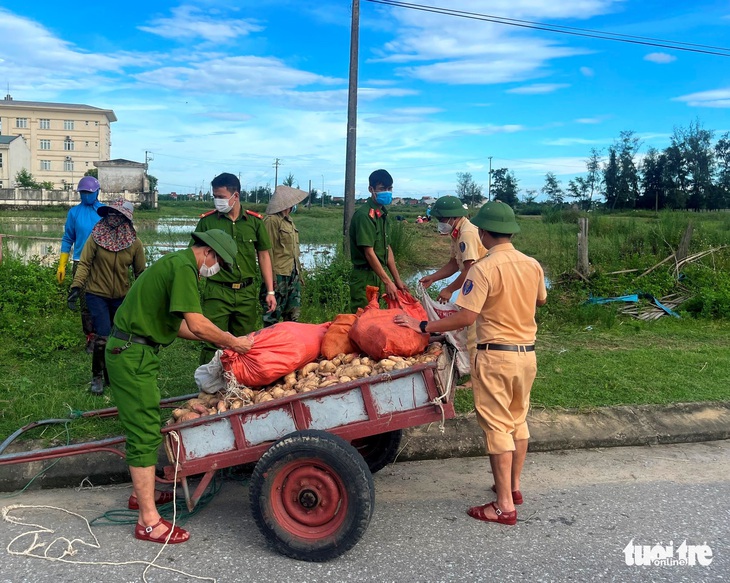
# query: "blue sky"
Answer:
x=213 y=86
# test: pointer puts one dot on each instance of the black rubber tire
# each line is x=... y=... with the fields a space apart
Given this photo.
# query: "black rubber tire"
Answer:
x=306 y=478
x=379 y=450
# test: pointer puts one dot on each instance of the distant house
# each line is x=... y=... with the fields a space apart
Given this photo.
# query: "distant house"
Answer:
x=14 y=157
x=397 y=201
x=123 y=175
x=428 y=200
x=338 y=199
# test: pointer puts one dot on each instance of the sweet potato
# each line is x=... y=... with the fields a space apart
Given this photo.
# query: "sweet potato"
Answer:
x=177 y=413
x=327 y=366
x=189 y=416
x=291 y=379
x=309 y=368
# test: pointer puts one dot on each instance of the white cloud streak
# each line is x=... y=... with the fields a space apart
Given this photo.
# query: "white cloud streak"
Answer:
x=718 y=98
x=660 y=58
x=189 y=22
x=538 y=88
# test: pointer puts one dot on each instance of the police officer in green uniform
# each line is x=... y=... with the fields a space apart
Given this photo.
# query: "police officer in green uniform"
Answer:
x=369 y=248
x=284 y=255
x=163 y=304
x=229 y=298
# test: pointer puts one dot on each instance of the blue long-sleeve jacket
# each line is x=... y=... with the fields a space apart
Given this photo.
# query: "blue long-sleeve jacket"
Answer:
x=79 y=223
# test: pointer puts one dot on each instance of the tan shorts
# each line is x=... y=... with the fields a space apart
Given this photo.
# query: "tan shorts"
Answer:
x=501 y=381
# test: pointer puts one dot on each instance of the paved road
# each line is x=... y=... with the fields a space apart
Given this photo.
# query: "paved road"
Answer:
x=582 y=508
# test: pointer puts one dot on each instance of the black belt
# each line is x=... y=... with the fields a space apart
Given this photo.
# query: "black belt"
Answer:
x=131 y=338
x=507 y=347
x=245 y=282
x=362 y=267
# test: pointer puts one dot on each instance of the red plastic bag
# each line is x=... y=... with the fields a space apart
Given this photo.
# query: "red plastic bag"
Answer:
x=277 y=351
x=406 y=302
x=337 y=338
x=379 y=337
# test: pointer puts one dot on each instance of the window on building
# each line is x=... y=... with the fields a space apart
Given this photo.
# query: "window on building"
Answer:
x=96 y=123
x=87 y=144
x=96 y=144
x=45 y=164
x=68 y=144
x=68 y=124
x=1 y=160
x=68 y=165
x=86 y=122
x=21 y=122
x=44 y=124
x=45 y=144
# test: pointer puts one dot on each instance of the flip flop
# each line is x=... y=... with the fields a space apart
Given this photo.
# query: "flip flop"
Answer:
x=516 y=496
x=176 y=534
x=165 y=498
x=479 y=512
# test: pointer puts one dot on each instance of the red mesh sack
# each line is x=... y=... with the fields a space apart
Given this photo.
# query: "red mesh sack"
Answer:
x=277 y=351
x=379 y=337
x=337 y=338
x=406 y=302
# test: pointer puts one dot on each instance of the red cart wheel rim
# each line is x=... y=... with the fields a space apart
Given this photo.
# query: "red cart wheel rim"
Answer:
x=309 y=499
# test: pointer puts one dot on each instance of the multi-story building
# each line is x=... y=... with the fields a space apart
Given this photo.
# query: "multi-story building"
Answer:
x=64 y=139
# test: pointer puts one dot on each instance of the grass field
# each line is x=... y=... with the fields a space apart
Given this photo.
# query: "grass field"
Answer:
x=588 y=355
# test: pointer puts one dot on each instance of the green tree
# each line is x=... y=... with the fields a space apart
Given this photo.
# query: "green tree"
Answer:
x=628 y=177
x=504 y=186
x=721 y=200
x=699 y=157
x=594 y=177
x=551 y=189
x=468 y=191
x=289 y=180
x=92 y=172
x=153 y=182
x=25 y=179
x=47 y=185
x=653 y=180
x=610 y=178
x=579 y=189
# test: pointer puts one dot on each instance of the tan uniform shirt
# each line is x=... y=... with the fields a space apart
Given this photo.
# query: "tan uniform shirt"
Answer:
x=465 y=243
x=503 y=288
x=284 y=244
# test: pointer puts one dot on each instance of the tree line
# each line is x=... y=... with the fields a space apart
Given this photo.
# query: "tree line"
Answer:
x=692 y=173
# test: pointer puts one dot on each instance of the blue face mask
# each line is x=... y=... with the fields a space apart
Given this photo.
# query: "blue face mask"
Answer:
x=294 y=209
x=384 y=198
x=89 y=197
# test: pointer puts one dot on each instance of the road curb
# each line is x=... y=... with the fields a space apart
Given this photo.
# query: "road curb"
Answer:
x=551 y=429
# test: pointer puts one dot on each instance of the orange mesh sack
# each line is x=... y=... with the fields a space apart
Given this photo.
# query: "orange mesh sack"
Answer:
x=337 y=338
x=379 y=337
x=277 y=351
x=406 y=302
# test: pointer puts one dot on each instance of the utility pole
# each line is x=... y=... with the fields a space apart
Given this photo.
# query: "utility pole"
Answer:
x=276 y=175
x=489 y=188
x=148 y=157
x=351 y=148
x=322 y=195
x=309 y=196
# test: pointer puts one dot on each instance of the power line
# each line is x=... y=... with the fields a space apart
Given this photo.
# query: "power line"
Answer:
x=559 y=29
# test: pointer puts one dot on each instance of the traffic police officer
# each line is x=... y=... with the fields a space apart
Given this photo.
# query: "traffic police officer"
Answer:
x=230 y=299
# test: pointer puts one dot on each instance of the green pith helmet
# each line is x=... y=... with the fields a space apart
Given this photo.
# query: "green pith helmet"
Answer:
x=496 y=217
x=448 y=207
x=221 y=242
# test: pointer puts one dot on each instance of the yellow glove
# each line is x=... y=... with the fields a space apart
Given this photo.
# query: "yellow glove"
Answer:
x=61 y=273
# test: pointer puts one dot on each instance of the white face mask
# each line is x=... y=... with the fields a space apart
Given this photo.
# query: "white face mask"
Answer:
x=445 y=228
x=223 y=205
x=206 y=271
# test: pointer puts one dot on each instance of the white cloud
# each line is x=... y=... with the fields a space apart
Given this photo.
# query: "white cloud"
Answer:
x=538 y=88
x=592 y=120
x=490 y=129
x=189 y=22
x=661 y=58
x=587 y=72
x=714 y=98
x=575 y=142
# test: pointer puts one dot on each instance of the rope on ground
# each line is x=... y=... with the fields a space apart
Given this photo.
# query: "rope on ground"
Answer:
x=439 y=401
x=70 y=550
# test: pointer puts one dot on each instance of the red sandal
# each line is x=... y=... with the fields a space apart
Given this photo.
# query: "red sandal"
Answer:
x=516 y=496
x=479 y=512
x=165 y=498
x=176 y=534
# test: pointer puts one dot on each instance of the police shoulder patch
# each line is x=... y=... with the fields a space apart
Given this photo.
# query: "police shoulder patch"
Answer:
x=208 y=213
x=255 y=214
x=467 y=287
x=462 y=246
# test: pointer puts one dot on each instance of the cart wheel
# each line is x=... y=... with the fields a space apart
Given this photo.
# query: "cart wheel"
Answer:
x=312 y=495
x=379 y=450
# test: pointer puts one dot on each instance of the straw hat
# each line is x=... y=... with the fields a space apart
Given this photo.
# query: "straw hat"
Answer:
x=123 y=207
x=285 y=197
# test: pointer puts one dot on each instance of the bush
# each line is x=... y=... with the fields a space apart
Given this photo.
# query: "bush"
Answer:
x=326 y=291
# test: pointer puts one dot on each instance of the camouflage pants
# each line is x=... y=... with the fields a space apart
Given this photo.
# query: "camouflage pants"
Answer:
x=288 y=292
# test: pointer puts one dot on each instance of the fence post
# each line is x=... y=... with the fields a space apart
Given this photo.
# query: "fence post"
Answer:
x=1 y=247
x=583 y=266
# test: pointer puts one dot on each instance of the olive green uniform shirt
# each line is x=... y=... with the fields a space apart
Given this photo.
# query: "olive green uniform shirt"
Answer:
x=284 y=238
x=369 y=228
x=250 y=235
x=155 y=304
x=106 y=273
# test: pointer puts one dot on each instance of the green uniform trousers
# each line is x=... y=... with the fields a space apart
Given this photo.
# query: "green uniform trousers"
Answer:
x=87 y=323
x=133 y=379
x=232 y=310
x=359 y=280
x=288 y=294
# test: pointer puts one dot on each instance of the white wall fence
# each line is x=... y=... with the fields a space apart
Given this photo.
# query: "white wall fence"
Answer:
x=27 y=198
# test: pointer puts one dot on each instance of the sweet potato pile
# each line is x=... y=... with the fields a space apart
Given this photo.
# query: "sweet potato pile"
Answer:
x=315 y=375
